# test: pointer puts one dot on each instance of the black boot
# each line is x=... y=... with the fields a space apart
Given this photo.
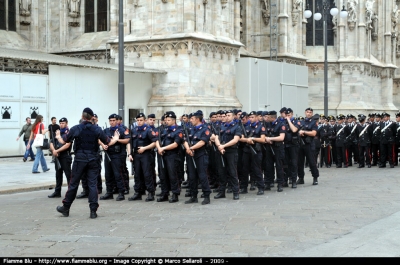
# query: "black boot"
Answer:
x=187 y=194
x=300 y=181
x=192 y=200
x=260 y=191
x=163 y=198
x=120 y=197
x=280 y=189
x=84 y=194
x=267 y=187
x=252 y=186
x=54 y=195
x=135 y=197
x=63 y=210
x=229 y=190
x=206 y=200
x=285 y=184
x=107 y=196
x=115 y=190
x=294 y=185
x=315 y=182
x=220 y=195
x=236 y=196
x=243 y=190
x=174 y=198
x=93 y=214
x=150 y=197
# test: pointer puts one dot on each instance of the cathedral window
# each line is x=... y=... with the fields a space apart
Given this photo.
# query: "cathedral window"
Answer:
x=315 y=29
x=7 y=15
x=97 y=15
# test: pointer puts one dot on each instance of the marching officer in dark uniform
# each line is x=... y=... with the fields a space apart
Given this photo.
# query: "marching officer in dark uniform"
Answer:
x=292 y=126
x=227 y=142
x=114 y=169
x=195 y=144
x=364 y=135
x=351 y=141
x=252 y=154
x=275 y=136
x=308 y=131
x=388 y=134
x=376 y=139
x=64 y=158
x=86 y=160
x=125 y=172
x=168 y=146
x=151 y=119
x=332 y=138
x=244 y=119
x=212 y=151
x=140 y=153
x=341 y=131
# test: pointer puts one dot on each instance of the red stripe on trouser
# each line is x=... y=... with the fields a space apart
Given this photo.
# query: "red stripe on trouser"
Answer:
x=347 y=157
x=329 y=155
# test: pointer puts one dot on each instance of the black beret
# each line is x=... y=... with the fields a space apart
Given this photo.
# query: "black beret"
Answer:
x=309 y=109
x=119 y=117
x=162 y=118
x=288 y=111
x=198 y=113
x=113 y=116
x=378 y=115
x=397 y=114
x=283 y=110
x=64 y=120
x=141 y=115
x=239 y=110
x=223 y=112
x=235 y=111
x=228 y=111
x=212 y=114
x=171 y=114
x=185 y=115
x=88 y=111
x=385 y=114
x=361 y=117
x=244 y=114
x=95 y=115
x=272 y=112
x=265 y=113
x=259 y=112
x=253 y=113
x=153 y=116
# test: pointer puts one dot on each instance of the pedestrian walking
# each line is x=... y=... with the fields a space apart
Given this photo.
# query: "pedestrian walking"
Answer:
x=38 y=128
x=26 y=131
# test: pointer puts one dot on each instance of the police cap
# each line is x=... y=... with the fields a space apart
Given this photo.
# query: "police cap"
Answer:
x=228 y=111
x=272 y=112
x=253 y=113
x=153 y=116
x=141 y=115
x=283 y=110
x=309 y=109
x=212 y=114
x=113 y=116
x=64 y=120
x=244 y=114
x=171 y=114
x=88 y=111
x=288 y=111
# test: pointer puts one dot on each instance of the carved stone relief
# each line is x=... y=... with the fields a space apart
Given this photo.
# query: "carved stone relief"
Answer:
x=74 y=8
x=265 y=12
x=224 y=3
x=297 y=8
x=352 y=15
x=25 y=7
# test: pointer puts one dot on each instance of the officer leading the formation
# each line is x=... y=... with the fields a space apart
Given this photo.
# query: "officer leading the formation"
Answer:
x=86 y=146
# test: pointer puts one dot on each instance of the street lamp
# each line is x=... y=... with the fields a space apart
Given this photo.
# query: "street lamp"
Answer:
x=317 y=16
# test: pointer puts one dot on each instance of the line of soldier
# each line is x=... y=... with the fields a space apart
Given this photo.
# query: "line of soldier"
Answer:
x=225 y=155
x=371 y=141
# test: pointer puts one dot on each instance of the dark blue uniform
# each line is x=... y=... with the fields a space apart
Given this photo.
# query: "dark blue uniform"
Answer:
x=169 y=174
x=387 y=148
x=65 y=160
x=307 y=150
x=229 y=172
x=274 y=153
x=114 y=169
x=143 y=136
x=198 y=174
x=86 y=161
x=251 y=162
x=291 y=150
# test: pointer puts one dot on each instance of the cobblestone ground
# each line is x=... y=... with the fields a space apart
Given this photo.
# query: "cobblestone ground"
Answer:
x=352 y=212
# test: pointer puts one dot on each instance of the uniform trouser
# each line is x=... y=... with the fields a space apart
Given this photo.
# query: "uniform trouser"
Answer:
x=228 y=174
x=212 y=166
x=387 y=152
x=352 y=153
x=65 y=163
x=365 y=155
x=307 y=151
x=85 y=185
x=153 y=168
x=396 y=154
x=326 y=156
x=334 y=152
x=125 y=174
x=114 y=173
x=198 y=174
x=143 y=172
x=240 y=169
x=90 y=169
x=267 y=154
x=341 y=156
x=375 y=153
x=291 y=155
x=274 y=154
x=181 y=169
x=252 y=162
x=169 y=174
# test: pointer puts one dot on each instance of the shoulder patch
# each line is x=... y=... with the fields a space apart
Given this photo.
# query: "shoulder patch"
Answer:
x=144 y=128
x=207 y=132
x=263 y=129
x=180 y=135
x=283 y=128
x=153 y=133
x=126 y=132
x=298 y=123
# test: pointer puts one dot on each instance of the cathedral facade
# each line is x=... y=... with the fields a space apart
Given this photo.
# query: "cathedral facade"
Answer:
x=197 y=42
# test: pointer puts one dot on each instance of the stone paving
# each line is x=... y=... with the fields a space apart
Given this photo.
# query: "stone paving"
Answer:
x=352 y=212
